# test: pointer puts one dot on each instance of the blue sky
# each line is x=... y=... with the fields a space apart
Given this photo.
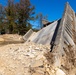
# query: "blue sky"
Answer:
x=53 y=8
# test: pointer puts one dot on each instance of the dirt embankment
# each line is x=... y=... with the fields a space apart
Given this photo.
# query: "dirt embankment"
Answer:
x=10 y=39
x=23 y=59
x=34 y=59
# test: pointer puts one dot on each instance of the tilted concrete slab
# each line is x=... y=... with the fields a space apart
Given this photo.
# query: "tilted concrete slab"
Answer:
x=27 y=35
x=66 y=30
x=44 y=36
x=67 y=25
x=59 y=32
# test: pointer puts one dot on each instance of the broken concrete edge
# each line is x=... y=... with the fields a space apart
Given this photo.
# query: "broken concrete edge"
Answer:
x=59 y=35
x=28 y=34
x=62 y=24
x=59 y=38
x=44 y=35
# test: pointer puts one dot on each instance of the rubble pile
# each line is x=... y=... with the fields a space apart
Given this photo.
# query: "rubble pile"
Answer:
x=65 y=62
x=36 y=59
x=50 y=51
x=26 y=59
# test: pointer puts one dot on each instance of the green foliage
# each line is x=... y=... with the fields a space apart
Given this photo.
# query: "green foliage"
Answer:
x=10 y=15
x=2 y=15
x=25 y=14
x=16 y=17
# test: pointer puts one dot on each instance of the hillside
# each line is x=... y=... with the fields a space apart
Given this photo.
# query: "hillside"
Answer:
x=35 y=59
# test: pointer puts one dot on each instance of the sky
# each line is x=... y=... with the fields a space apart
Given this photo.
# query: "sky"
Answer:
x=53 y=8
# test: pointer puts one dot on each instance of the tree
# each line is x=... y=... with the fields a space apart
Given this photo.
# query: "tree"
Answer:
x=2 y=16
x=10 y=15
x=25 y=12
x=39 y=18
x=17 y=16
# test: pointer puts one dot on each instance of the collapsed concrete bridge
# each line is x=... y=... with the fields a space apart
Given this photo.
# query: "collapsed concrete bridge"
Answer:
x=58 y=34
x=36 y=59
